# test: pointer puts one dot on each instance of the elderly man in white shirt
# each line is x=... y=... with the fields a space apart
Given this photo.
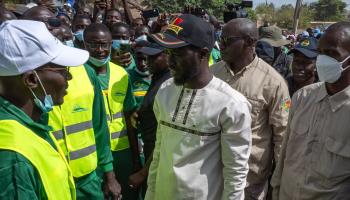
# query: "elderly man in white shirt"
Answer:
x=204 y=126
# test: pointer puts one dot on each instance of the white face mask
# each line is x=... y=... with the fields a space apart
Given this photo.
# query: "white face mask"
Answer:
x=329 y=69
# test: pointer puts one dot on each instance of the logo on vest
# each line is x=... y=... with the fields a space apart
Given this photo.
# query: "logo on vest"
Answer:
x=77 y=108
x=119 y=94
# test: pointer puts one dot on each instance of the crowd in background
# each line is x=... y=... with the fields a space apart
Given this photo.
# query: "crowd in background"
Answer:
x=144 y=100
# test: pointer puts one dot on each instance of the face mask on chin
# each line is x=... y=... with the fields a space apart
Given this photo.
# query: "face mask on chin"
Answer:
x=99 y=62
x=69 y=43
x=141 y=38
x=79 y=35
x=46 y=105
x=329 y=69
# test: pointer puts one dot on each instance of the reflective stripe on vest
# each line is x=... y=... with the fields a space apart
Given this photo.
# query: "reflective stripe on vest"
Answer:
x=114 y=101
x=140 y=93
x=211 y=59
x=72 y=124
x=115 y=116
x=51 y=165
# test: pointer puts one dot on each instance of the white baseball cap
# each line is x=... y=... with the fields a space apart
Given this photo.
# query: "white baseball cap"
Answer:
x=26 y=45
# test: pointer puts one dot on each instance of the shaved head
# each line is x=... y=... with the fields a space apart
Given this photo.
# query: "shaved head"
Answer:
x=96 y=28
x=37 y=13
x=242 y=27
x=339 y=33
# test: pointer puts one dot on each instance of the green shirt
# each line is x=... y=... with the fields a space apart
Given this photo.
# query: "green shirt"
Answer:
x=19 y=178
x=140 y=84
x=216 y=55
x=101 y=131
x=132 y=65
x=129 y=101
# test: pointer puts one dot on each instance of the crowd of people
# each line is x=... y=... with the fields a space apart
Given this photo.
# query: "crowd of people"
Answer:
x=96 y=104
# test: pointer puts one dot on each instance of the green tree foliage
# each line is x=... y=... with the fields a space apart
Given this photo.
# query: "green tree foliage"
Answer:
x=284 y=16
x=266 y=12
x=329 y=10
x=213 y=7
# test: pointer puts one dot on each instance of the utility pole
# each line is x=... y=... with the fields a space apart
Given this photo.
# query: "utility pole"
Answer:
x=297 y=11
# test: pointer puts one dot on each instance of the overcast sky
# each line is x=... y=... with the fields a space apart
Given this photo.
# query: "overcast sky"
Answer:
x=281 y=2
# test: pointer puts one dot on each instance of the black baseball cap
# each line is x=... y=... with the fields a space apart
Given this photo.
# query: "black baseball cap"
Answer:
x=264 y=49
x=307 y=46
x=186 y=30
x=151 y=49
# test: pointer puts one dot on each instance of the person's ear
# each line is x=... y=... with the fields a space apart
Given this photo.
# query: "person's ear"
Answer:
x=204 y=53
x=30 y=80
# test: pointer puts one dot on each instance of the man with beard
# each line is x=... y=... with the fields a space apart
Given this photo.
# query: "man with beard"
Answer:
x=203 y=135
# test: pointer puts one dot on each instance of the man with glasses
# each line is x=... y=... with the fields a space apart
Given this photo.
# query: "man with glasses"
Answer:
x=267 y=92
x=119 y=105
x=33 y=78
x=203 y=137
x=81 y=129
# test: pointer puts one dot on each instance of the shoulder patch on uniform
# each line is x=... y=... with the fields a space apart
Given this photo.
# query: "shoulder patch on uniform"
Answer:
x=286 y=103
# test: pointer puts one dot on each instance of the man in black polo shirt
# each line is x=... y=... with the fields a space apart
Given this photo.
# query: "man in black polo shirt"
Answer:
x=159 y=67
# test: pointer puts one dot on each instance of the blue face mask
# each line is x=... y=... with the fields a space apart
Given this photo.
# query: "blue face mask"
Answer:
x=141 y=38
x=69 y=43
x=116 y=43
x=79 y=35
x=99 y=62
x=45 y=106
x=218 y=35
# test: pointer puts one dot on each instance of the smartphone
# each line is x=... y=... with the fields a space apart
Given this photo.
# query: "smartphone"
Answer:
x=150 y=13
x=124 y=48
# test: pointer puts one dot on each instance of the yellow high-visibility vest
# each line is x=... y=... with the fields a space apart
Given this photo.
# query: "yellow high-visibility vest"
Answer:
x=51 y=165
x=72 y=124
x=211 y=59
x=114 y=100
